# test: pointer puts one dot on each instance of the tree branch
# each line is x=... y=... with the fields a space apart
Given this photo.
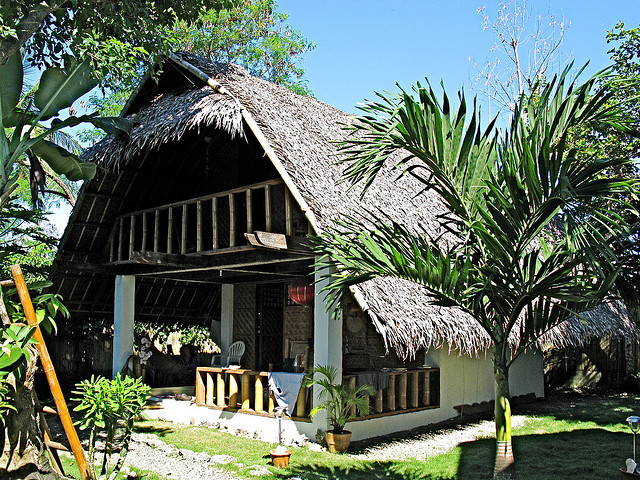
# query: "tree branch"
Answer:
x=26 y=28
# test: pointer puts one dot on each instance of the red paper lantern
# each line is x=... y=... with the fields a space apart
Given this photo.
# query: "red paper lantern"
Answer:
x=301 y=291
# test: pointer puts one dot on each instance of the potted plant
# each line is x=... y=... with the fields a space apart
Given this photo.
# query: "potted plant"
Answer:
x=337 y=400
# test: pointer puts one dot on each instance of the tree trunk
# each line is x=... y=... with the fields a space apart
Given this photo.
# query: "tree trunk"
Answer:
x=27 y=26
x=23 y=450
x=505 y=468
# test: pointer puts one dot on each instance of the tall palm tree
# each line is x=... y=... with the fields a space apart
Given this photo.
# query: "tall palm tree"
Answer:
x=498 y=261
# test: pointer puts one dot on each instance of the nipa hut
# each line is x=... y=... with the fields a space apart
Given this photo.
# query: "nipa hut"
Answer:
x=200 y=217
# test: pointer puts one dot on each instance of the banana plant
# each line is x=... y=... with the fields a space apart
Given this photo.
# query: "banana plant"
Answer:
x=27 y=127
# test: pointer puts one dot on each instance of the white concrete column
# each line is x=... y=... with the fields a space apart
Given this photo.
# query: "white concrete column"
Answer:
x=226 y=315
x=327 y=340
x=123 y=316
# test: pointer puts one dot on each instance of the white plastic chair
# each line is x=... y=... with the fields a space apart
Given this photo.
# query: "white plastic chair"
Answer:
x=231 y=357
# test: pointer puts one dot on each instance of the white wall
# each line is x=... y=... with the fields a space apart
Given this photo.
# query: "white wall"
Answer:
x=463 y=380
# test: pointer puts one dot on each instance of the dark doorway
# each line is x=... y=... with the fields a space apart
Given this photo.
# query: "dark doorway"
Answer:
x=269 y=325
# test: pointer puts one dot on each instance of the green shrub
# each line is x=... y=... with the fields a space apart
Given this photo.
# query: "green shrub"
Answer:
x=110 y=406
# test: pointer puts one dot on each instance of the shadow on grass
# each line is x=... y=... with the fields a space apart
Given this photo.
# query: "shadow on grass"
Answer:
x=592 y=453
x=367 y=471
x=598 y=408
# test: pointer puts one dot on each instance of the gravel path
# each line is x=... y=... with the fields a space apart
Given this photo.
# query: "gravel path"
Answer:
x=432 y=443
x=148 y=452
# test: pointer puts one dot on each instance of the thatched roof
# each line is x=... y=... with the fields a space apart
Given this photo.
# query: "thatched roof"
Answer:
x=302 y=132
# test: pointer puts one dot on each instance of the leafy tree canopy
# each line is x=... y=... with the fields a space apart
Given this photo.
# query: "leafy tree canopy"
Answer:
x=115 y=35
x=251 y=33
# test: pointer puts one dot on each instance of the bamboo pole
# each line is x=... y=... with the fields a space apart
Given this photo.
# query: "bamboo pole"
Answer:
x=391 y=392
x=220 y=390
x=301 y=402
x=232 y=220
x=267 y=207
x=112 y=249
x=210 y=390
x=426 y=393
x=272 y=403
x=170 y=231
x=214 y=222
x=132 y=233
x=379 y=402
x=156 y=231
x=259 y=395
x=199 y=226
x=120 y=238
x=183 y=236
x=352 y=385
x=288 y=212
x=233 y=391
x=145 y=232
x=246 y=403
x=61 y=406
x=403 y=391
x=415 y=388
x=249 y=202
x=200 y=392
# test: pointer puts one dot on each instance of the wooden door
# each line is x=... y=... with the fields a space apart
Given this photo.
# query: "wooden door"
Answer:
x=270 y=325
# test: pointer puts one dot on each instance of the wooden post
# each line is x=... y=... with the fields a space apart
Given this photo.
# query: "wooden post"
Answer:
x=120 y=238
x=267 y=207
x=379 y=402
x=287 y=212
x=112 y=248
x=210 y=389
x=183 y=237
x=233 y=391
x=415 y=388
x=156 y=231
x=145 y=232
x=426 y=392
x=352 y=384
x=214 y=221
x=200 y=395
x=403 y=391
x=272 y=403
x=391 y=393
x=259 y=395
x=132 y=231
x=246 y=404
x=301 y=402
x=170 y=231
x=249 y=201
x=61 y=405
x=199 y=226
x=232 y=220
x=220 y=390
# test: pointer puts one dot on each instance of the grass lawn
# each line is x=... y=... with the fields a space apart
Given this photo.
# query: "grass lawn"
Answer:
x=568 y=436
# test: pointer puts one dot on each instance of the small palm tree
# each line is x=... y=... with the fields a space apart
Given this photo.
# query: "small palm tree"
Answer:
x=337 y=399
x=500 y=194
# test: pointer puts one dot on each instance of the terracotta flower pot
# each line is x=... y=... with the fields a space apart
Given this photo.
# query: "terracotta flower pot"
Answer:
x=338 y=442
x=280 y=460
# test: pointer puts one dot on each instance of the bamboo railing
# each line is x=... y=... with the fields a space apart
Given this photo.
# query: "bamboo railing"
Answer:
x=240 y=390
x=246 y=391
x=408 y=390
x=201 y=224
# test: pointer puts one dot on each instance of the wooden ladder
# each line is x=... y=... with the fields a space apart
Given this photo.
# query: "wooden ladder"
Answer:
x=61 y=406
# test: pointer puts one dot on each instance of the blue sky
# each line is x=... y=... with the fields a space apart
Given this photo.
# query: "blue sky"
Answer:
x=368 y=45
x=364 y=46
